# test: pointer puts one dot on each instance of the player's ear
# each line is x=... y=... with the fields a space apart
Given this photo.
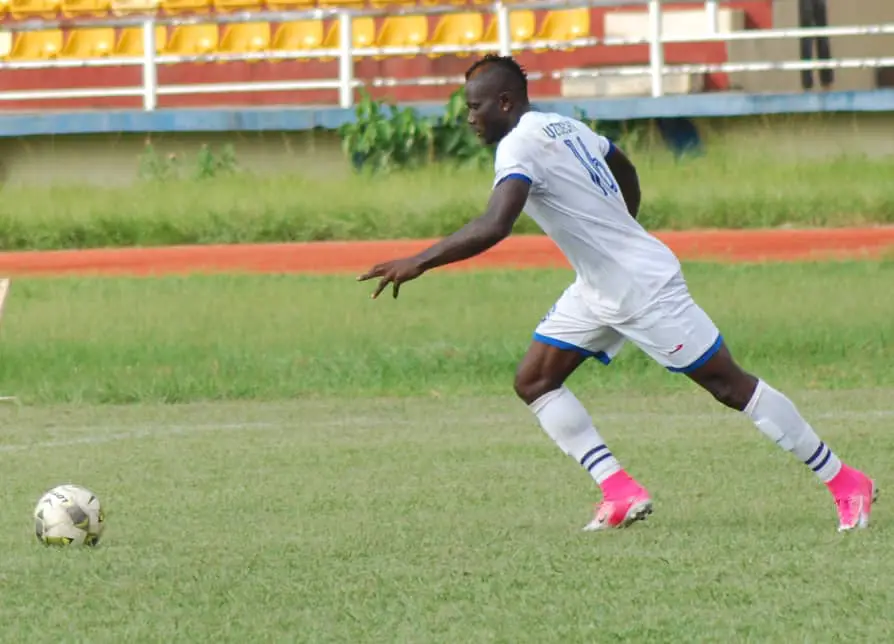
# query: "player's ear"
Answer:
x=505 y=102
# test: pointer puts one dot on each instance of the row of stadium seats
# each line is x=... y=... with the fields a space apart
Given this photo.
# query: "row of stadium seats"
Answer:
x=29 y=9
x=460 y=29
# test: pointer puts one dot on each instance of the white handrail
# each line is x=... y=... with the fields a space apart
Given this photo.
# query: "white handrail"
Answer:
x=656 y=68
x=345 y=60
x=712 y=11
x=656 y=48
x=150 y=69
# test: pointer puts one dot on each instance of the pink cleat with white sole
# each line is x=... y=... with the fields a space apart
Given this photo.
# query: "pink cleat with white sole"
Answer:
x=625 y=502
x=854 y=494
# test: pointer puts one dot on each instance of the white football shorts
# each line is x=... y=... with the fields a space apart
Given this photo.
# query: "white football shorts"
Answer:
x=673 y=330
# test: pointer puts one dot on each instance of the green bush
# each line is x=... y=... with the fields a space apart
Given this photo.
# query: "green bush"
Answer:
x=402 y=139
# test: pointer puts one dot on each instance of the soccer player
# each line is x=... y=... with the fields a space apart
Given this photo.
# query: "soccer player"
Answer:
x=584 y=193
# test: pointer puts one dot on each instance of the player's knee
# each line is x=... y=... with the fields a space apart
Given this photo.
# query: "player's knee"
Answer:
x=733 y=391
x=530 y=385
x=723 y=392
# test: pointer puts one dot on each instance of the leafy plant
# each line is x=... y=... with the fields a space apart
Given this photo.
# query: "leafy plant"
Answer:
x=384 y=141
x=156 y=167
x=385 y=138
x=454 y=139
x=209 y=164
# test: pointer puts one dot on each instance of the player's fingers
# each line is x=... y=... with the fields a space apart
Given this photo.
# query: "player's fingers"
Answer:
x=375 y=271
x=396 y=288
x=381 y=287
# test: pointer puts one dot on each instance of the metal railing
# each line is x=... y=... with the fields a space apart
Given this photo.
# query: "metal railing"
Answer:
x=345 y=52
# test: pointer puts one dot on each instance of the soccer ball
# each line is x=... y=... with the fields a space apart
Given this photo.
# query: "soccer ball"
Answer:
x=69 y=515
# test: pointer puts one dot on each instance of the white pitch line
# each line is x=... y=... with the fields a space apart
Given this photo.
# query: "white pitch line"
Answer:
x=168 y=431
x=161 y=431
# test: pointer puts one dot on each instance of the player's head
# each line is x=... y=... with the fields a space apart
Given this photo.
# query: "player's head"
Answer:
x=497 y=96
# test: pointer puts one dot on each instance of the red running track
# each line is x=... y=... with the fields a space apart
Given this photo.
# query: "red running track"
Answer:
x=514 y=252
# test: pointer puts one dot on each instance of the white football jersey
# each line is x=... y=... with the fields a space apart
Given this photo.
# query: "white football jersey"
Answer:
x=576 y=201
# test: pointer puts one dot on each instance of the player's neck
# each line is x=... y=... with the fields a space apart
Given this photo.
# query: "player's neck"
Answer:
x=519 y=112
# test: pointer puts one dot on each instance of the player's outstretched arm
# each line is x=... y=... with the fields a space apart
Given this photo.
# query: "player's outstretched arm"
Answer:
x=628 y=181
x=495 y=225
x=503 y=209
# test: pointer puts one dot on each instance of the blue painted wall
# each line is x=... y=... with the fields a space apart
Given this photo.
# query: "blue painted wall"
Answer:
x=299 y=119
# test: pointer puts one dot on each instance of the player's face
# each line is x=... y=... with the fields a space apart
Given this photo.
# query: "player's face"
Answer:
x=488 y=112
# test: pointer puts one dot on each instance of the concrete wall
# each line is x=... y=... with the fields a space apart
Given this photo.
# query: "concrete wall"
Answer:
x=839 y=13
x=805 y=136
x=115 y=158
x=105 y=159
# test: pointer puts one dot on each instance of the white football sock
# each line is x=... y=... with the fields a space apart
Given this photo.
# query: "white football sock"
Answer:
x=776 y=416
x=567 y=422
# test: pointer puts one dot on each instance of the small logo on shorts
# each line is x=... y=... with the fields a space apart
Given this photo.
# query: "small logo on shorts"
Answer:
x=676 y=348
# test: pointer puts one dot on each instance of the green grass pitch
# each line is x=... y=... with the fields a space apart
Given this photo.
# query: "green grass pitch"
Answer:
x=329 y=468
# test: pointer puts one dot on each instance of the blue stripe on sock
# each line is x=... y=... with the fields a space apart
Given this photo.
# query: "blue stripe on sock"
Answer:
x=598 y=461
x=816 y=454
x=824 y=461
x=592 y=452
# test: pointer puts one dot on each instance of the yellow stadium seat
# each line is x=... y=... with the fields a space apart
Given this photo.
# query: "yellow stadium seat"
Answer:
x=36 y=45
x=33 y=8
x=363 y=32
x=565 y=24
x=245 y=38
x=458 y=29
x=522 y=26
x=130 y=41
x=129 y=7
x=78 y=8
x=341 y=3
x=89 y=43
x=297 y=36
x=290 y=5
x=185 y=6
x=388 y=3
x=236 y=5
x=5 y=44
x=403 y=31
x=192 y=40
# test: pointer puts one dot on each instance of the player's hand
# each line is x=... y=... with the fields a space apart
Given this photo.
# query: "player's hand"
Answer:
x=395 y=272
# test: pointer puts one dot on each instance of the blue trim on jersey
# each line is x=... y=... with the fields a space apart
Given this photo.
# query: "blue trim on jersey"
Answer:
x=707 y=355
x=515 y=175
x=601 y=356
x=611 y=150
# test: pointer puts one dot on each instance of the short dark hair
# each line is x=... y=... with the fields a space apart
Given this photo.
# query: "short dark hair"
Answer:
x=506 y=63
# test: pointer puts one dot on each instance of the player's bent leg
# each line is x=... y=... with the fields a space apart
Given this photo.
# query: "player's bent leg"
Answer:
x=778 y=418
x=539 y=382
x=677 y=333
